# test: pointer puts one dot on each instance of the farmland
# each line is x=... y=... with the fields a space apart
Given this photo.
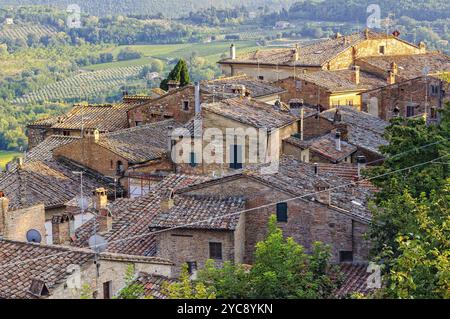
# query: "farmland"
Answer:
x=210 y=51
x=22 y=32
x=82 y=85
x=6 y=157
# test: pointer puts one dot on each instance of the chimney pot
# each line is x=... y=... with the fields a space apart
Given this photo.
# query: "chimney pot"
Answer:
x=197 y=97
x=232 y=52
x=20 y=162
x=101 y=199
x=62 y=228
x=391 y=77
x=338 y=141
x=167 y=201
x=355 y=74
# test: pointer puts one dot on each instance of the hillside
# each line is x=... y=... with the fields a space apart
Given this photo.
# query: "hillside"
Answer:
x=153 y=7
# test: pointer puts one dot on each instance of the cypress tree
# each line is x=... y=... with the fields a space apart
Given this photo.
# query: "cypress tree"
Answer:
x=179 y=73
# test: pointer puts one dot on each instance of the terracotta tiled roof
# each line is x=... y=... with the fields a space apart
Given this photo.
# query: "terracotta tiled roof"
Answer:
x=226 y=87
x=354 y=280
x=325 y=147
x=21 y=263
x=44 y=150
x=50 y=183
x=201 y=212
x=299 y=180
x=341 y=80
x=364 y=130
x=316 y=54
x=141 y=143
x=131 y=219
x=153 y=284
x=105 y=118
x=410 y=66
x=251 y=112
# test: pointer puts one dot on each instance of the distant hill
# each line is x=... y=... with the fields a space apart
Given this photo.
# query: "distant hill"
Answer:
x=169 y=8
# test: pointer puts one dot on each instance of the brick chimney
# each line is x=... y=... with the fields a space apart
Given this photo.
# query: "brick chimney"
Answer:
x=391 y=77
x=4 y=204
x=167 y=201
x=355 y=74
x=394 y=68
x=62 y=229
x=323 y=192
x=104 y=218
x=100 y=198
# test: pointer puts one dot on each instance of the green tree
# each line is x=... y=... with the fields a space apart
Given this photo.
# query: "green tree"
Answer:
x=281 y=270
x=411 y=142
x=132 y=289
x=179 y=73
x=185 y=288
x=420 y=265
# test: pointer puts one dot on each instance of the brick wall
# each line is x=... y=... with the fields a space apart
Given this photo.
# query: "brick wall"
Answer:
x=184 y=245
x=412 y=92
x=16 y=223
x=167 y=106
x=307 y=221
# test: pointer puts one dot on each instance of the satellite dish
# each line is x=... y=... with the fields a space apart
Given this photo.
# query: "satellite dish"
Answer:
x=98 y=244
x=33 y=236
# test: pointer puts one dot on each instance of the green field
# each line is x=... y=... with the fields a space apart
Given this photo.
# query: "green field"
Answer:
x=210 y=51
x=6 y=157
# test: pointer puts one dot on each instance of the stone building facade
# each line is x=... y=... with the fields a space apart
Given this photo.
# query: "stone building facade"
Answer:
x=308 y=219
x=421 y=96
x=338 y=52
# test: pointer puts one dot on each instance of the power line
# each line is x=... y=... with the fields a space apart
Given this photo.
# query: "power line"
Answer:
x=236 y=213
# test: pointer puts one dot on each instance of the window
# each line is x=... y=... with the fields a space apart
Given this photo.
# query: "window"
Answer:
x=282 y=212
x=350 y=102
x=120 y=168
x=186 y=105
x=111 y=164
x=381 y=49
x=192 y=160
x=409 y=110
x=215 y=250
x=138 y=123
x=107 y=290
x=192 y=267
x=345 y=256
x=66 y=133
x=260 y=77
x=298 y=85
x=236 y=156
x=434 y=89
